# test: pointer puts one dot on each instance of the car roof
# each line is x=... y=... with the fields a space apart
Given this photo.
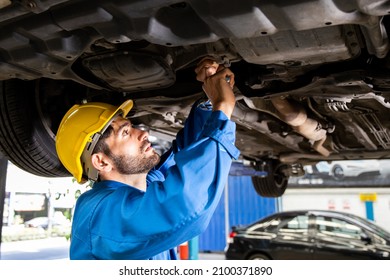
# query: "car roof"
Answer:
x=330 y=213
x=313 y=212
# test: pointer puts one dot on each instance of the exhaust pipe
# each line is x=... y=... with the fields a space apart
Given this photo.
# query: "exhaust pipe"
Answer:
x=296 y=116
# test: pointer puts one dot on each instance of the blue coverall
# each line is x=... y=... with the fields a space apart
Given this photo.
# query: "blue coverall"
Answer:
x=117 y=221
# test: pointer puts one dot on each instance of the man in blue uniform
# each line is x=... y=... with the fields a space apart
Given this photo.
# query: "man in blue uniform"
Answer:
x=139 y=207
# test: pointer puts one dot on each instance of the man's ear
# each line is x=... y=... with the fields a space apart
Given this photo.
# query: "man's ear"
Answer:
x=101 y=163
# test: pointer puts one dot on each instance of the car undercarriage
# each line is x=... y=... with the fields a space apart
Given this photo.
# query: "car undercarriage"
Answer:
x=312 y=76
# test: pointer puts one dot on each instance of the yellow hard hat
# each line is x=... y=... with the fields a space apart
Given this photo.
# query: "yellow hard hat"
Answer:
x=79 y=131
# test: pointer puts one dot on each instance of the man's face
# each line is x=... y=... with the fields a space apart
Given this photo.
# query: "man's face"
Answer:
x=131 y=152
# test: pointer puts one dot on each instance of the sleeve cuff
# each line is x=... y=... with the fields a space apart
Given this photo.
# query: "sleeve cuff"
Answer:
x=222 y=130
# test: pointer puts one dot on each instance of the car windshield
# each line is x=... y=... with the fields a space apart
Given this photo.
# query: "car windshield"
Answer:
x=374 y=226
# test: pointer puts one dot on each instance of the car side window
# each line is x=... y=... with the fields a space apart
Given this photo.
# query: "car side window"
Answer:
x=273 y=225
x=295 y=225
x=333 y=227
x=267 y=226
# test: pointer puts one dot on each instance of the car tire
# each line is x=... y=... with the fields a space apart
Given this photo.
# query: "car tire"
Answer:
x=25 y=138
x=272 y=185
x=258 y=257
x=338 y=172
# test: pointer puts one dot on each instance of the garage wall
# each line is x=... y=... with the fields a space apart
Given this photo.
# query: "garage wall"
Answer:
x=243 y=206
x=340 y=199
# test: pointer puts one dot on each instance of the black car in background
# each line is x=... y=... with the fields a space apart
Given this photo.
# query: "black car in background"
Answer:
x=309 y=235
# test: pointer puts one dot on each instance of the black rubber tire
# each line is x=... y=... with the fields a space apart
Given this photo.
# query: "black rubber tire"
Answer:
x=338 y=172
x=24 y=139
x=258 y=256
x=273 y=185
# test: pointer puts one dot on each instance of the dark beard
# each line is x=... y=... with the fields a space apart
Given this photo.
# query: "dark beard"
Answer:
x=139 y=164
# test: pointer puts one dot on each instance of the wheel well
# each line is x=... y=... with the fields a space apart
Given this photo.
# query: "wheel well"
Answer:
x=251 y=253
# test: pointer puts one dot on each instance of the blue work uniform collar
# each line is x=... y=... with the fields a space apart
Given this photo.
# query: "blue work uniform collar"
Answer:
x=110 y=184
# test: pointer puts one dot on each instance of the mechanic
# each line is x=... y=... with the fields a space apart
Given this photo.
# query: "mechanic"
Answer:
x=141 y=207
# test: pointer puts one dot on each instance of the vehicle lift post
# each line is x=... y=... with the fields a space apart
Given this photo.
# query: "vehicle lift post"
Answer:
x=193 y=248
x=3 y=180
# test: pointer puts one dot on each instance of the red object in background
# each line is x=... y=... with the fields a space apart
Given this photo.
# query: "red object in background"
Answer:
x=183 y=251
